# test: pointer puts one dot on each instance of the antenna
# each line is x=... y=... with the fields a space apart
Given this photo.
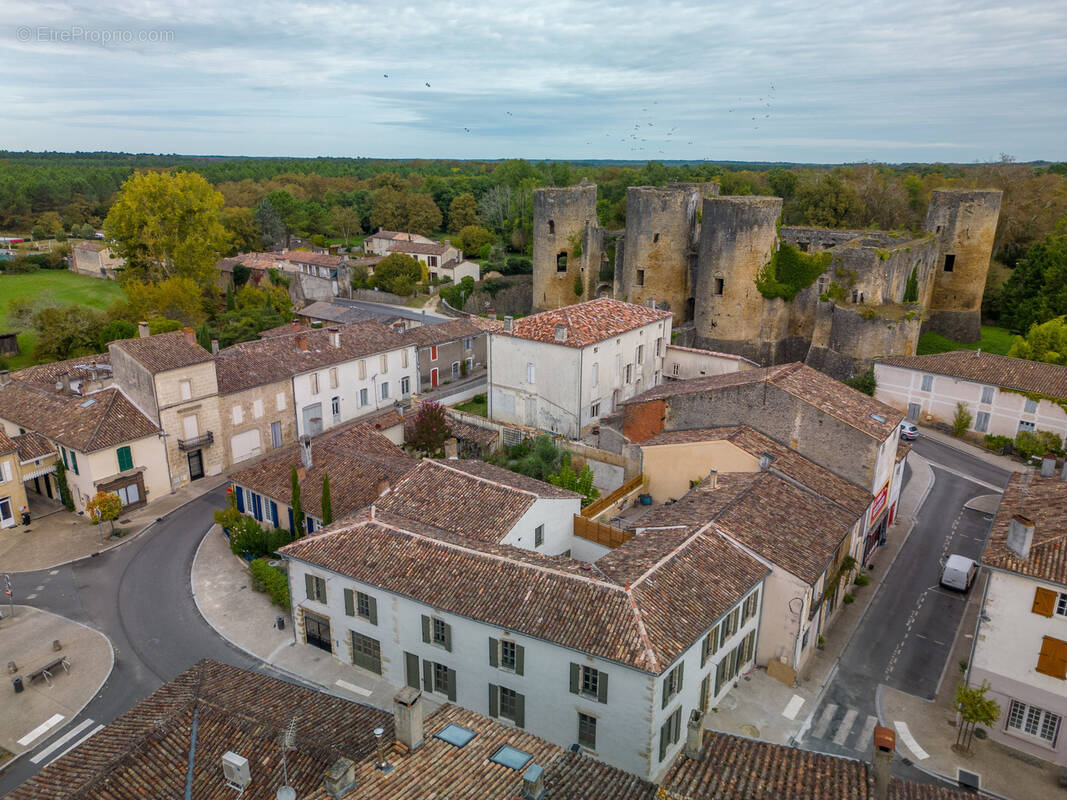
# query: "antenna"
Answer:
x=285 y=791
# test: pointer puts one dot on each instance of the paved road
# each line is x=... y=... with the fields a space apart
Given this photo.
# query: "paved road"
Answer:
x=139 y=595
x=906 y=637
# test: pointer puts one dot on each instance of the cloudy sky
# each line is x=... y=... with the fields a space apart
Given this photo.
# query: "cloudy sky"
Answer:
x=766 y=80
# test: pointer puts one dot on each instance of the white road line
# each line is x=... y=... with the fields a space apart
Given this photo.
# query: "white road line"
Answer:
x=41 y=729
x=90 y=734
x=792 y=708
x=351 y=687
x=845 y=728
x=824 y=720
x=62 y=740
x=909 y=740
x=866 y=732
x=958 y=474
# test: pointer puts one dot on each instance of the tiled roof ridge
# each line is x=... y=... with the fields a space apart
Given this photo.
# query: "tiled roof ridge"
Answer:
x=805 y=488
x=795 y=367
x=650 y=652
x=667 y=557
x=483 y=479
x=104 y=416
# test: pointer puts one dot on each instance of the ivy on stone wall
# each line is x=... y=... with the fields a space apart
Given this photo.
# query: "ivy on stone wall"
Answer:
x=911 y=288
x=790 y=271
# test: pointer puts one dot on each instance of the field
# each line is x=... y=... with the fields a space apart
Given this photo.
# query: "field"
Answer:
x=478 y=404
x=994 y=340
x=59 y=287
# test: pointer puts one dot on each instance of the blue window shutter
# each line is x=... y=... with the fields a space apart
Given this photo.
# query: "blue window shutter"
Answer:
x=240 y=498
x=292 y=524
x=274 y=513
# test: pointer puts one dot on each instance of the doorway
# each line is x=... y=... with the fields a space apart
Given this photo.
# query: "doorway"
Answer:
x=196 y=465
x=7 y=519
x=317 y=632
x=435 y=377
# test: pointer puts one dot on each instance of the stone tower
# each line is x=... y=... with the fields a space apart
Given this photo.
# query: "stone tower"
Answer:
x=965 y=223
x=662 y=234
x=567 y=245
x=738 y=236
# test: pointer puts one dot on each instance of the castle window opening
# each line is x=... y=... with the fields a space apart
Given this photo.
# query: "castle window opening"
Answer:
x=718 y=285
x=655 y=238
x=861 y=297
x=855 y=295
x=561 y=262
x=552 y=227
x=950 y=262
x=803 y=246
x=640 y=277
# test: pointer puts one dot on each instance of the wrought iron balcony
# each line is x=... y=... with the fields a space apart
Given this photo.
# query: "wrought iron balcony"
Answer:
x=197 y=442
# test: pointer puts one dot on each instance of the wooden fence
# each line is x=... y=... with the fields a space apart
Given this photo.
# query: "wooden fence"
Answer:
x=600 y=533
x=598 y=507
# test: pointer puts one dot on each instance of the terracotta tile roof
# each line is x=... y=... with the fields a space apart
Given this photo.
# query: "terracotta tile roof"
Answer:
x=356 y=458
x=505 y=477
x=48 y=375
x=396 y=235
x=163 y=351
x=754 y=508
x=574 y=776
x=145 y=752
x=32 y=446
x=487 y=323
x=426 y=335
x=8 y=445
x=1044 y=502
x=991 y=369
x=903 y=448
x=646 y=624
x=786 y=460
x=102 y=419
x=331 y=312
x=466 y=432
x=308 y=257
x=419 y=248
x=815 y=388
x=717 y=354
x=276 y=358
x=587 y=323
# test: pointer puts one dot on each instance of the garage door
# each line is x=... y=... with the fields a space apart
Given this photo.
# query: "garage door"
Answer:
x=245 y=445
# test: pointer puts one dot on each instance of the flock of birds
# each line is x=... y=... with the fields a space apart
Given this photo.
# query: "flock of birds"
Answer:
x=634 y=140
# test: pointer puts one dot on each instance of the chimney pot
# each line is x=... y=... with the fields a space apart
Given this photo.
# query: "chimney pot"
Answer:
x=214 y=346
x=1063 y=472
x=713 y=479
x=765 y=461
x=5 y=377
x=651 y=302
x=340 y=778
x=1048 y=465
x=885 y=742
x=694 y=737
x=407 y=718
x=451 y=448
x=335 y=337
x=533 y=782
x=142 y=330
x=509 y=324
x=305 y=451
x=190 y=335
x=561 y=333
x=1020 y=536
x=302 y=342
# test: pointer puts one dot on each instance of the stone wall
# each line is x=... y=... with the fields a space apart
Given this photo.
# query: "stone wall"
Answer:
x=515 y=299
x=563 y=217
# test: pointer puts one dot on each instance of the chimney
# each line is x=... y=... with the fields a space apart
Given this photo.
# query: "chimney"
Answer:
x=885 y=743
x=765 y=461
x=651 y=302
x=190 y=335
x=214 y=346
x=533 y=782
x=713 y=479
x=305 y=451
x=383 y=487
x=1048 y=465
x=509 y=324
x=340 y=778
x=335 y=337
x=302 y=341
x=407 y=718
x=694 y=736
x=5 y=379
x=1063 y=472
x=1020 y=536
x=451 y=448
x=561 y=333
x=142 y=330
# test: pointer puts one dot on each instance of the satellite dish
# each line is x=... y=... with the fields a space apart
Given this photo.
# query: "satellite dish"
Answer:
x=285 y=793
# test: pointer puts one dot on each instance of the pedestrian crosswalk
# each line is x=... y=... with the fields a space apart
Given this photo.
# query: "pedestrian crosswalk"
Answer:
x=71 y=739
x=847 y=728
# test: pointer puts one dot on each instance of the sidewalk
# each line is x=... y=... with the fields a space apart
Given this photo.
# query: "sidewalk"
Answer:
x=42 y=708
x=762 y=707
x=222 y=589
x=62 y=537
x=991 y=458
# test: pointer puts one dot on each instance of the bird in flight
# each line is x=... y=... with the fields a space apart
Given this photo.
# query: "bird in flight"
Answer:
x=427 y=84
x=385 y=76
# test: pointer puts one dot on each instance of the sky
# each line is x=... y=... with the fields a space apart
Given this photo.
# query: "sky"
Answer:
x=748 y=80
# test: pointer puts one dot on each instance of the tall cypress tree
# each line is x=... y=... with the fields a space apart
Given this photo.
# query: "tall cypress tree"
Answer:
x=298 y=511
x=327 y=506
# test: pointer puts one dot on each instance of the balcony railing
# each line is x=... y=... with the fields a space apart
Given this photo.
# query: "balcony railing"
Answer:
x=197 y=442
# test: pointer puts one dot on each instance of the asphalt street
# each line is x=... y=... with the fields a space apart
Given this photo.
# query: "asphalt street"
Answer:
x=906 y=637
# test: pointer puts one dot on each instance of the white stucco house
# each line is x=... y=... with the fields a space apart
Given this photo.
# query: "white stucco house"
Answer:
x=561 y=370
x=1004 y=395
x=442 y=586
x=1020 y=647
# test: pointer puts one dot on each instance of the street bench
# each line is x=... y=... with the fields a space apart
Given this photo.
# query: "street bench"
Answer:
x=45 y=670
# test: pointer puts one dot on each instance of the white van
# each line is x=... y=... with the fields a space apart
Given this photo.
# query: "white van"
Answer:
x=958 y=572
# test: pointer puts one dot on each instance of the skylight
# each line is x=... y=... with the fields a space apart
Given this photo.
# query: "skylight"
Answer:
x=509 y=756
x=455 y=734
x=877 y=417
x=88 y=402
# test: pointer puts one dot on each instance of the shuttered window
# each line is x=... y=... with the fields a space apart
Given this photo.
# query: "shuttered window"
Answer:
x=362 y=605
x=125 y=458
x=507 y=655
x=508 y=704
x=1053 y=658
x=439 y=678
x=437 y=631
x=672 y=684
x=1044 y=602
x=315 y=587
x=589 y=681
x=709 y=645
x=366 y=652
x=74 y=462
x=669 y=732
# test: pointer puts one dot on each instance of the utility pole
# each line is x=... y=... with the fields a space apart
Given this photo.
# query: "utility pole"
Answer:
x=10 y=597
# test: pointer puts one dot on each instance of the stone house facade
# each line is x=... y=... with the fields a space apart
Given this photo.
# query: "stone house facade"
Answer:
x=447 y=352
x=12 y=492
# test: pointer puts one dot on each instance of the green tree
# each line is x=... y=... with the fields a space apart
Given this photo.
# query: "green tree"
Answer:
x=961 y=421
x=974 y=709
x=580 y=482
x=327 y=503
x=177 y=297
x=428 y=430
x=67 y=332
x=272 y=230
x=115 y=330
x=462 y=212
x=240 y=224
x=456 y=296
x=168 y=225
x=346 y=222
x=298 y=511
x=472 y=238
x=578 y=288
x=863 y=382
x=1037 y=289
x=421 y=214
x=104 y=507
x=63 y=486
x=397 y=273
x=1043 y=342
x=388 y=209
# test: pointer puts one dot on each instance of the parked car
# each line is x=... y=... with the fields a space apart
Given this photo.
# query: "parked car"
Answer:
x=909 y=431
x=958 y=572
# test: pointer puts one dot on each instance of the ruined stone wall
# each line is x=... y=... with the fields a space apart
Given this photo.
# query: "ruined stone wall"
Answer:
x=848 y=341
x=878 y=274
x=563 y=217
x=814 y=240
x=965 y=223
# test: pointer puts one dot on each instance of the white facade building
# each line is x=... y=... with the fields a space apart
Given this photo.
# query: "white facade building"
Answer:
x=561 y=370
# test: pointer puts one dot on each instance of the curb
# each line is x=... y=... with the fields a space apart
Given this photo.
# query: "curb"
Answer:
x=978 y=454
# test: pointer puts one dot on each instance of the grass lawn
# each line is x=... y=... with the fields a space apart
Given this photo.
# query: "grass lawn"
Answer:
x=479 y=404
x=994 y=340
x=55 y=286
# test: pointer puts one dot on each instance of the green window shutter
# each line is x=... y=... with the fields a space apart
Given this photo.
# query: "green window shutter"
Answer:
x=74 y=462
x=576 y=678
x=372 y=607
x=602 y=687
x=426 y=629
x=309 y=585
x=448 y=638
x=704 y=651
x=494 y=700
x=705 y=688
x=520 y=710
x=427 y=676
x=125 y=459
x=494 y=660
x=451 y=684
x=411 y=667
x=719 y=675
x=519 y=659
x=681 y=673
x=666 y=691
x=63 y=450
x=664 y=732
x=350 y=603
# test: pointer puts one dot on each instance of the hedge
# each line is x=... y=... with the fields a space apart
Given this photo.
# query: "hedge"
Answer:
x=274 y=582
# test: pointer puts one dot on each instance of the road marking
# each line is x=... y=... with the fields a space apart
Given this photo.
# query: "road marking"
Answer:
x=958 y=474
x=792 y=708
x=865 y=733
x=351 y=687
x=824 y=720
x=909 y=740
x=53 y=572
x=40 y=730
x=62 y=740
x=846 y=727
x=90 y=734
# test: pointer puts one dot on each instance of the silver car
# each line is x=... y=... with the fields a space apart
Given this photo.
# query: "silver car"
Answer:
x=909 y=431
